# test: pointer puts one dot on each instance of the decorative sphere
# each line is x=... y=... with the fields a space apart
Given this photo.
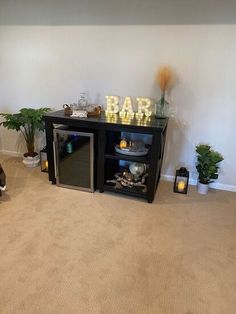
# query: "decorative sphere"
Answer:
x=137 y=169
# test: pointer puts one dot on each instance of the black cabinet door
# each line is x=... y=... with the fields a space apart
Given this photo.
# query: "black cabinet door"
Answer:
x=74 y=159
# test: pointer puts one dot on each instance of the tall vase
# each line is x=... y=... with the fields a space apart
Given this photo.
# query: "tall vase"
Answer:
x=160 y=107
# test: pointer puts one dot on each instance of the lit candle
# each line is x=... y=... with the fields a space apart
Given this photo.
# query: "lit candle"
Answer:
x=123 y=143
x=181 y=186
x=46 y=165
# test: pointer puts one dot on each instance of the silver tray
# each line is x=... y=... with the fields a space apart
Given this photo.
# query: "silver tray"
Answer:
x=130 y=152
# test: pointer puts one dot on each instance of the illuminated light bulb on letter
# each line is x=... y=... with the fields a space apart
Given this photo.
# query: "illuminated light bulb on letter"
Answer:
x=111 y=118
x=112 y=104
x=127 y=107
x=144 y=105
x=125 y=119
x=139 y=115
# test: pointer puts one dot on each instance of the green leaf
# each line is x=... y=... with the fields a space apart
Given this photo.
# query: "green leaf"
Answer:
x=207 y=163
x=28 y=121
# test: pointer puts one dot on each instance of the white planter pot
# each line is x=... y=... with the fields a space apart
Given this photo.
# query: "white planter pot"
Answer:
x=31 y=162
x=202 y=188
x=3 y=188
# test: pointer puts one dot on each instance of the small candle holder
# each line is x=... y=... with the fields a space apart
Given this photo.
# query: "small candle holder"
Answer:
x=44 y=160
x=181 y=181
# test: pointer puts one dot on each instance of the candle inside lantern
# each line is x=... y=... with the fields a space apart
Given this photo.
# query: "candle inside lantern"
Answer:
x=181 y=186
x=46 y=165
x=123 y=143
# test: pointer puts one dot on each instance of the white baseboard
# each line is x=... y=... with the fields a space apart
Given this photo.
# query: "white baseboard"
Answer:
x=215 y=185
x=11 y=153
x=221 y=186
x=164 y=177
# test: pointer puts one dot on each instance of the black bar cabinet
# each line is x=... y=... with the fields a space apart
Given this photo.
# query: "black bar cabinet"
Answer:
x=107 y=132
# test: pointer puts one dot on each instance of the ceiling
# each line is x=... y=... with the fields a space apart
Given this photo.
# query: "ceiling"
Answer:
x=117 y=12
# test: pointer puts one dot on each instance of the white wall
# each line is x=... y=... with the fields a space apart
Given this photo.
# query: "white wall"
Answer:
x=51 y=65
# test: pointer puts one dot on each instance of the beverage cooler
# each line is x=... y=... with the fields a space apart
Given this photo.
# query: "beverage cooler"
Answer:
x=74 y=159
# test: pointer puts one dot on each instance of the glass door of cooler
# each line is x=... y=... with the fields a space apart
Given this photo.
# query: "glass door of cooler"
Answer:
x=74 y=159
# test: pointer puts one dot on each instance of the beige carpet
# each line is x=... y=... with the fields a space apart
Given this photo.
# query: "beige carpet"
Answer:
x=66 y=251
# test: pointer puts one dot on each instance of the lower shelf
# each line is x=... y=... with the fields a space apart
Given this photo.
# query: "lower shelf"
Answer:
x=126 y=191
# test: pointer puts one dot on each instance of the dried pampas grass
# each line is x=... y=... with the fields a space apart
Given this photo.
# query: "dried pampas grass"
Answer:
x=164 y=77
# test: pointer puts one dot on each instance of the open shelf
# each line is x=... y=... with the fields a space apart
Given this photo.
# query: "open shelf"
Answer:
x=127 y=191
x=114 y=155
x=115 y=166
x=113 y=138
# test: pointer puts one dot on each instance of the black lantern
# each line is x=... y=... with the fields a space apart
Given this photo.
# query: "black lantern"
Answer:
x=181 y=181
x=44 y=159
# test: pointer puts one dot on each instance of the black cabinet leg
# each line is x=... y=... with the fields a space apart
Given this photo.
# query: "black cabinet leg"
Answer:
x=150 y=200
x=101 y=161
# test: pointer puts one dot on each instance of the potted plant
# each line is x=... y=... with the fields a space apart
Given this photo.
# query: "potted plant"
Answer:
x=27 y=121
x=207 y=166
